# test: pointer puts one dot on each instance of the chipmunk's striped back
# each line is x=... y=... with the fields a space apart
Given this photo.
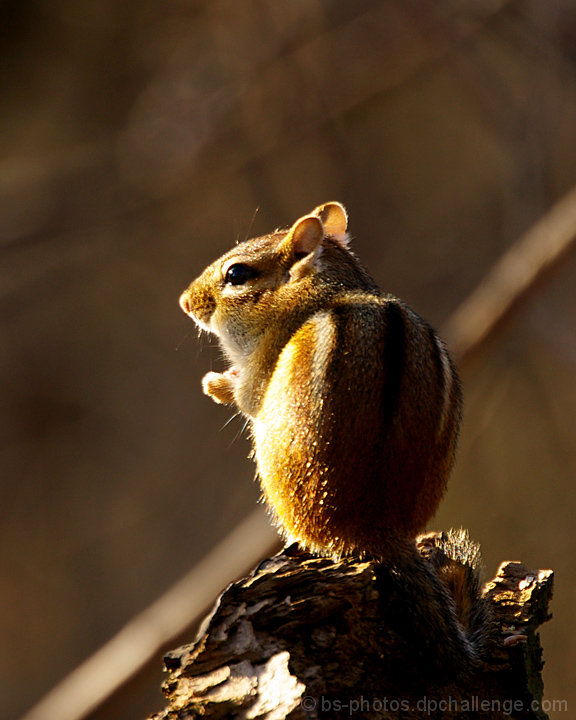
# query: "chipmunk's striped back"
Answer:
x=359 y=421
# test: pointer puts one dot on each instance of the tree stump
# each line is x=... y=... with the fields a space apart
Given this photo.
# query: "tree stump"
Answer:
x=306 y=637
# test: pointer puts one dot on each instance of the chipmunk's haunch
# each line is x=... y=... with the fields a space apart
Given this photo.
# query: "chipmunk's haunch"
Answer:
x=353 y=400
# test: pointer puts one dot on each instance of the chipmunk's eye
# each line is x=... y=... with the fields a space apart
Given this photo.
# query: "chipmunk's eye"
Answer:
x=239 y=273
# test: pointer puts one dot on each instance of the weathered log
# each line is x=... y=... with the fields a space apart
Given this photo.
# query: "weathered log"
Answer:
x=308 y=637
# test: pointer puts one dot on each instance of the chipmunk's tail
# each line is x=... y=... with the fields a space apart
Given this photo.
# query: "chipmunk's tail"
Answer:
x=457 y=562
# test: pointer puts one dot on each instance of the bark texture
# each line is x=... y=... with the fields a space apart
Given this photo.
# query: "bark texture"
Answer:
x=306 y=637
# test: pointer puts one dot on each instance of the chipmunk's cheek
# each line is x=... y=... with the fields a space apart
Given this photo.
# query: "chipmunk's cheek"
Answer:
x=218 y=326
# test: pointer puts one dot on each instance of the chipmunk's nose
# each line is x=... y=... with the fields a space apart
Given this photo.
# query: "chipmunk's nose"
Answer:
x=185 y=302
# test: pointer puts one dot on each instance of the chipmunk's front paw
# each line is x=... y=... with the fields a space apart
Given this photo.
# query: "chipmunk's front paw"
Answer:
x=220 y=386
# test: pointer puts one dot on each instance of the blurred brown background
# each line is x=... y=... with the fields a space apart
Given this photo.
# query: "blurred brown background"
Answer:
x=138 y=138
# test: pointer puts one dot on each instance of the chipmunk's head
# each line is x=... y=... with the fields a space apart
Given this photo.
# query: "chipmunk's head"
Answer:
x=235 y=296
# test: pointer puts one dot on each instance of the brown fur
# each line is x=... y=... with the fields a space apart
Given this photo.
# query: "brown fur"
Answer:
x=353 y=401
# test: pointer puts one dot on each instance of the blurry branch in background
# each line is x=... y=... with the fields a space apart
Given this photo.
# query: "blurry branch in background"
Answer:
x=512 y=280
x=87 y=687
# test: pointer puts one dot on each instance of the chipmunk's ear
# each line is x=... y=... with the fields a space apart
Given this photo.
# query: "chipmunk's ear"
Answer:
x=335 y=221
x=305 y=236
x=303 y=245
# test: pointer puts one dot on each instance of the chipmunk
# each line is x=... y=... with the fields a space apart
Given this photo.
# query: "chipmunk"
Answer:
x=353 y=400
